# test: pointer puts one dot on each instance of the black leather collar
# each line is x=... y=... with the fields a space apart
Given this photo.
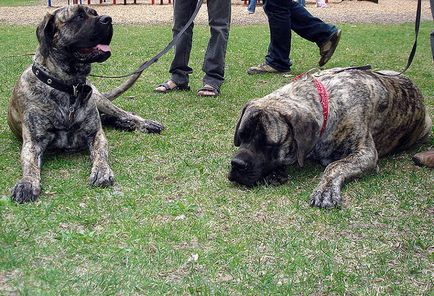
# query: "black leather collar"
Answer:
x=77 y=90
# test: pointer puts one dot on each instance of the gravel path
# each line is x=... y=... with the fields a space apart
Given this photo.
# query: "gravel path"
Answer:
x=387 y=11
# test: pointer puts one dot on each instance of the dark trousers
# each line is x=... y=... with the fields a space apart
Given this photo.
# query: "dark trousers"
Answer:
x=284 y=16
x=219 y=17
x=432 y=32
x=432 y=44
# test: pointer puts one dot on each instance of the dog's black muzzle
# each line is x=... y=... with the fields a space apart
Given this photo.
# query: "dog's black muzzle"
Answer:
x=246 y=169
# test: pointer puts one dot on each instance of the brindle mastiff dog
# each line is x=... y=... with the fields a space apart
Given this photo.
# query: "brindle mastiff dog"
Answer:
x=370 y=114
x=53 y=106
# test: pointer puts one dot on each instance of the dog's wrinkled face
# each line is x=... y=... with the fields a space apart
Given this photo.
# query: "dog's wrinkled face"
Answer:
x=266 y=146
x=76 y=34
x=270 y=138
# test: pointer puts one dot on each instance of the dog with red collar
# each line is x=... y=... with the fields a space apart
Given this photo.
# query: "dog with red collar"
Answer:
x=344 y=118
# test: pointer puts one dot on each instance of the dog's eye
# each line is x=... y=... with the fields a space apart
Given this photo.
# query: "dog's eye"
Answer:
x=79 y=17
x=93 y=12
x=271 y=146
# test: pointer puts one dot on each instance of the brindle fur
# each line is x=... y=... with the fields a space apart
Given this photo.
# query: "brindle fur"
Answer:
x=371 y=114
x=40 y=115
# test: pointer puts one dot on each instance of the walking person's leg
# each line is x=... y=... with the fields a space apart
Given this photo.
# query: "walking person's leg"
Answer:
x=252 y=6
x=308 y=26
x=321 y=3
x=279 y=21
x=219 y=18
x=326 y=36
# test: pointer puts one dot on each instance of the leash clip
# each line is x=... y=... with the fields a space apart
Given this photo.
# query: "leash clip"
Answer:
x=75 y=90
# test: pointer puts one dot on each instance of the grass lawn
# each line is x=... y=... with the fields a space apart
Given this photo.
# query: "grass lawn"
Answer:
x=173 y=224
x=19 y=2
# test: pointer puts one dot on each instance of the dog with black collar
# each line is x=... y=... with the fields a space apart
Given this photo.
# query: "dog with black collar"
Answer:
x=54 y=106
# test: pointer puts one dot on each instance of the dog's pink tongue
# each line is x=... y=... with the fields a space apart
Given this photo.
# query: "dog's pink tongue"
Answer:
x=103 y=47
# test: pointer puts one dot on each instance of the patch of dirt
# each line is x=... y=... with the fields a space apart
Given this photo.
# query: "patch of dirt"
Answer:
x=5 y=278
x=387 y=11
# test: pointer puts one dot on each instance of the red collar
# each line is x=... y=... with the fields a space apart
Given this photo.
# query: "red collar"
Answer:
x=324 y=100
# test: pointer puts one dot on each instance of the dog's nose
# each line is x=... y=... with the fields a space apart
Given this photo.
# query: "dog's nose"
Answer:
x=239 y=164
x=105 y=19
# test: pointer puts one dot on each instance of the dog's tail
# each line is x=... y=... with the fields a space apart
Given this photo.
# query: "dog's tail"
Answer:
x=117 y=91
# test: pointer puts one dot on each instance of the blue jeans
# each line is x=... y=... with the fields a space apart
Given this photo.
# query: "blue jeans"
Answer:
x=219 y=17
x=284 y=16
x=252 y=6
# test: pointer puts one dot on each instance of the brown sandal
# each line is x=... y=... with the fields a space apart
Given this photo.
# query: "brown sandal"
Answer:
x=168 y=88
x=208 y=91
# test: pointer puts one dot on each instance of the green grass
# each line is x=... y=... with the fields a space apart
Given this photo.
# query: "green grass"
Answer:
x=19 y=2
x=172 y=200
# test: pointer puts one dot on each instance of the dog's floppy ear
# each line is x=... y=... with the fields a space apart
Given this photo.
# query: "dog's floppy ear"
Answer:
x=275 y=127
x=305 y=130
x=246 y=121
x=45 y=34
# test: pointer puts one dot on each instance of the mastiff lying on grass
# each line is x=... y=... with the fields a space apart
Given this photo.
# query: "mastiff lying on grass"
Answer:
x=343 y=118
x=54 y=106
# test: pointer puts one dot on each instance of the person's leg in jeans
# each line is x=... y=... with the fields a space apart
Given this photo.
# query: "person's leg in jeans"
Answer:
x=308 y=26
x=182 y=11
x=279 y=21
x=252 y=6
x=313 y=29
x=284 y=16
x=219 y=18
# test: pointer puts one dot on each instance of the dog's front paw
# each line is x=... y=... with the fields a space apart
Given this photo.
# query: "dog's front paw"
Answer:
x=102 y=176
x=150 y=126
x=278 y=177
x=326 y=197
x=25 y=191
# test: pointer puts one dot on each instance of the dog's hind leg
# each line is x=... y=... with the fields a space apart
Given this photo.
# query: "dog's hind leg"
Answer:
x=328 y=192
x=119 y=118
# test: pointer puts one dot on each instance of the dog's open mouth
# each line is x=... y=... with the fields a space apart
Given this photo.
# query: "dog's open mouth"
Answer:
x=97 y=48
x=98 y=53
